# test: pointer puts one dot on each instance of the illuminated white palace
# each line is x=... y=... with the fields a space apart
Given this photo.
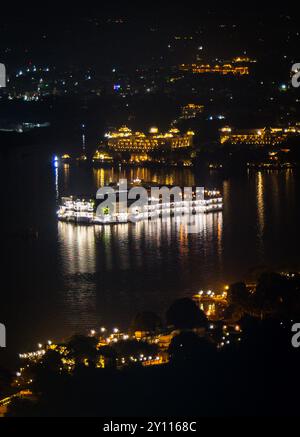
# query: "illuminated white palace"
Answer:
x=90 y=211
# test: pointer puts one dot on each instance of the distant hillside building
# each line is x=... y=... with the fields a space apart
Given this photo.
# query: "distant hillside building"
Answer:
x=260 y=137
x=191 y=111
x=243 y=60
x=221 y=69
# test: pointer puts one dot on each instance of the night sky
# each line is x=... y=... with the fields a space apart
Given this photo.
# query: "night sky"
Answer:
x=126 y=36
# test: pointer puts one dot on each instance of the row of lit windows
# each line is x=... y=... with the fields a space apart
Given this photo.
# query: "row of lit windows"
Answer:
x=253 y=139
x=122 y=144
x=220 y=69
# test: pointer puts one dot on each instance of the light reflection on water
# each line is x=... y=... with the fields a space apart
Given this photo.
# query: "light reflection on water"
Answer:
x=108 y=259
x=181 y=177
x=78 y=248
x=260 y=205
x=78 y=243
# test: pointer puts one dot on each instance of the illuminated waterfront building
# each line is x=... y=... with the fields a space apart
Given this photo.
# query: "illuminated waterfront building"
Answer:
x=101 y=156
x=125 y=140
x=191 y=111
x=78 y=210
x=223 y=69
x=66 y=158
x=261 y=137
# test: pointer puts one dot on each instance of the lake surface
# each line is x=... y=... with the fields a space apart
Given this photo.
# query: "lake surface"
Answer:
x=74 y=278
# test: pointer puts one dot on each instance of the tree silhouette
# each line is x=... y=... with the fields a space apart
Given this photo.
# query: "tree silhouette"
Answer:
x=135 y=348
x=109 y=355
x=6 y=379
x=52 y=361
x=184 y=314
x=146 y=321
x=82 y=348
x=238 y=294
x=188 y=346
x=277 y=294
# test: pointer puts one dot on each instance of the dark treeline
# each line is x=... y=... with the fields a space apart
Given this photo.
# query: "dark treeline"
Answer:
x=257 y=376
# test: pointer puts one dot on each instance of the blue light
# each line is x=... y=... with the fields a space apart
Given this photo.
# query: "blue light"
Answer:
x=55 y=161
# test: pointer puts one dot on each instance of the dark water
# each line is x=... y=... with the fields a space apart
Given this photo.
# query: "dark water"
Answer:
x=76 y=278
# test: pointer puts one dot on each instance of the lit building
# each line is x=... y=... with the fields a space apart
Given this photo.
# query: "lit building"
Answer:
x=66 y=158
x=125 y=140
x=78 y=210
x=261 y=137
x=243 y=60
x=101 y=156
x=191 y=111
x=223 y=69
